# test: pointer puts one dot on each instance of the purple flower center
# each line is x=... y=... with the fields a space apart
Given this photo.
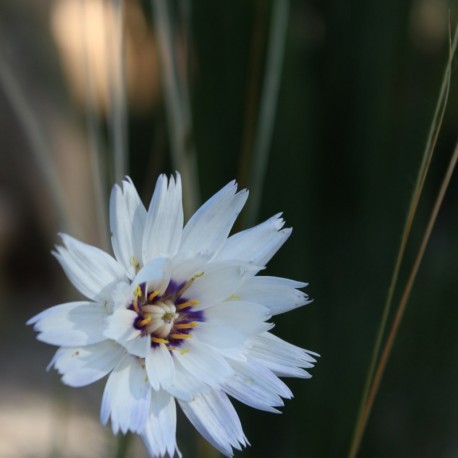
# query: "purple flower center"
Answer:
x=168 y=318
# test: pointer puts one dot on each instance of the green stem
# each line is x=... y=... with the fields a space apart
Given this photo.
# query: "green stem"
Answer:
x=123 y=444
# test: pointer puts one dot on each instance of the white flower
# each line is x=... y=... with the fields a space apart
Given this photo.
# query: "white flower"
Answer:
x=179 y=314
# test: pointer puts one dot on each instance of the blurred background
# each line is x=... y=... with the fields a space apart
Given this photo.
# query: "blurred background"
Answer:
x=322 y=109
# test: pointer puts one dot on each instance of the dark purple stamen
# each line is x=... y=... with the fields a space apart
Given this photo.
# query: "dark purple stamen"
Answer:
x=186 y=316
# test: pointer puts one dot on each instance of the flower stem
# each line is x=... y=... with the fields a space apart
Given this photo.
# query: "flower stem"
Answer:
x=123 y=444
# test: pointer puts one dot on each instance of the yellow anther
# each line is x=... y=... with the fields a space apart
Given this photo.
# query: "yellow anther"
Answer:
x=233 y=297
x=134 y=262
x=158 y=340
x=186 y=304
x=144 y=322
x=135 y=305
x=152 y=295
x=180 y=336
x=183 y=352
x=138 y=291
x=186 y=325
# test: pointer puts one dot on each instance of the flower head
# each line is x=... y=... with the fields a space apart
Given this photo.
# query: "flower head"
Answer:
x=179 y=314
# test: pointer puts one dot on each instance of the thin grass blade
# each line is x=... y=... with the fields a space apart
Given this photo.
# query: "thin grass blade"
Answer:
x=95 y=142
x=177 y=106
x=38 y=146
x=268 y=106
x=374 y=376
x=118 y=109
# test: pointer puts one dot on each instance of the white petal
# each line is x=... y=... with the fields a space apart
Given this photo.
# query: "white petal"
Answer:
x=121 y=296
x=127 y=221
x=71 y=324
x=84 y=365
x=185 y=386
x=126 y=397
x=120 y=326
x=138 y=346
x=159 y=435
x=213 y=415
x=278 y=294
x=159 y=366
x=219 y=281
x=92 y=271
x=156 y=275
x=283 y=358
x=257 y=386
x=202 y=362
x=246 y=318
x=225 y=339
x=184 y=269
x=258 y=244
x=209 y=227
x=164 y=222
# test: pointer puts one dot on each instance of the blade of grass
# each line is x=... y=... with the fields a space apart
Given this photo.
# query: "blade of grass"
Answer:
x=365 y=408
x=268 y=106
x=252 y=96
x=118 y=108
x=177 y=106
x=38 y=146
x=95 y=143
x=406 y=293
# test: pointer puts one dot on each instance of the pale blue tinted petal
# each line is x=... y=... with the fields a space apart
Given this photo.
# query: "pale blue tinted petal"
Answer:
x=159 y=435
x=164 y=221
x=258 y=244
x=126 y=397
x=81 y=366
x=185 y=386
x=245 y=317
x=209 y=227
x=120 y=325
x=203 y=363
x=279 y=295
x=71 y=324
x=156 y=275
x=256 y=386
x=213 y=415
x=281 y=357
x=92 y=271
x=218 y=282
x=127 y=222
x=223 y=338
x=159 y=366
